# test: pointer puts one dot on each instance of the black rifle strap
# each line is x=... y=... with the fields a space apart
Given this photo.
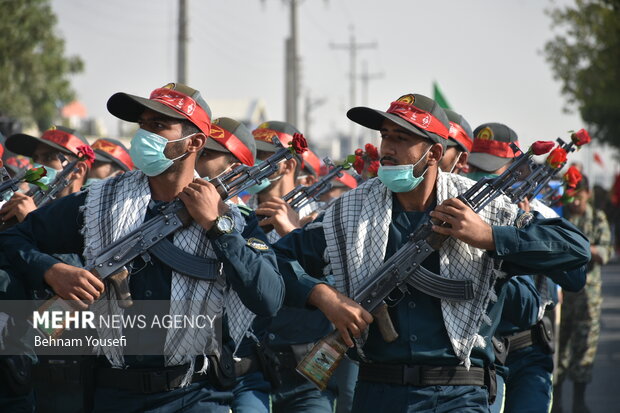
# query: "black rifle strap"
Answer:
x=184 y=262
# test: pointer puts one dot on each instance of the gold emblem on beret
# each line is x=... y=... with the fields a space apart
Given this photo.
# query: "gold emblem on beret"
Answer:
x=486 y=134
x=169 y=86
x=408 y=99
x=217 y=132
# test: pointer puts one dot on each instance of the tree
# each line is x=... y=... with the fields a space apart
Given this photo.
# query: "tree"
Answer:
x=585 y=57
x=33 y=69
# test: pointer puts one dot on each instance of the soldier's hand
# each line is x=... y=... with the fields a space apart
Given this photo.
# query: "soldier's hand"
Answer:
x=308 y=218
x=349 y=317
x=203 y=202
x=524 y=205
x=466 y=225
x=18 y=206
x=279 y=214
x=73 y=283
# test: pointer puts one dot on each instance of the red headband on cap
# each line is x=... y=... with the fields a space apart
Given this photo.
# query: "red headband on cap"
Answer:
x=492 y=147
x=418 y=117
x=458 y=134
x=115 y=151
x=184 y=105
x=308 y=157
x=64 y=139
x=266 y=135
x=233 y=144
x=348 y=180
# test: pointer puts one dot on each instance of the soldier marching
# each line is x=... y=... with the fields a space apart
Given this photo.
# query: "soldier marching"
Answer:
x=458 y=323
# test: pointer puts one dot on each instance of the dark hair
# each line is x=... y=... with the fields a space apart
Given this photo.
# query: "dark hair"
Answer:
x=188 y=128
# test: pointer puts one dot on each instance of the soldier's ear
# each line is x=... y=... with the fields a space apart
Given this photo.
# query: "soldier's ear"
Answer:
x=462 y=162
x=196 y=142
x=435 y=154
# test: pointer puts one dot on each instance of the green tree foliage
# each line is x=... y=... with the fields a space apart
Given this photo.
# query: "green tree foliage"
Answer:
x=585 y=57
x=33 y=69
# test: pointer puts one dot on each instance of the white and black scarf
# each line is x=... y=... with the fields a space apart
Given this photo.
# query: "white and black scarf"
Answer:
x=356 y=230
x=115 y=207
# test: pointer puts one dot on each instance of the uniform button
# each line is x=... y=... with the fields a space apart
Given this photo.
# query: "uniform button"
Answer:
x=411 y=304
x=413 y=337
x=148 y=293
x=224 y=245
x=271 y=336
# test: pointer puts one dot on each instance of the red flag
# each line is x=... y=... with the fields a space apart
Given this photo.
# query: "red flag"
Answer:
x=598 y=159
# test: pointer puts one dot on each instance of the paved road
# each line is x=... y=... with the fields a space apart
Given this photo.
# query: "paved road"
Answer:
x=603 y=394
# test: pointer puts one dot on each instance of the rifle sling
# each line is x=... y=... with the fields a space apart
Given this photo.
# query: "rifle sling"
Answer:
x=185 y=263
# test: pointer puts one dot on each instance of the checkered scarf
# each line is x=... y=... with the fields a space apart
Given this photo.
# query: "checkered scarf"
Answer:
x=356 y=230
x=540 y=280
x=115 y=207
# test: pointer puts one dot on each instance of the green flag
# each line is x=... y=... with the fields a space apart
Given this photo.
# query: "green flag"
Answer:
x=438 y=96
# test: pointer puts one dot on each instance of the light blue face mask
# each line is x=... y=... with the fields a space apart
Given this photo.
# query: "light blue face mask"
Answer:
x=478 y=175
x=400 y=178
x=147 y=152
x=264 y=184
x=50 y=176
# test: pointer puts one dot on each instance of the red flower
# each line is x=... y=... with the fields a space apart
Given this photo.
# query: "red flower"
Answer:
x=372 y=152
x=572 y=177
x=541 y=147
x=358 y=165
x=557 y=158
x=359 y=152
x=86 y=154
x=373 y=169
x=299 y=143
x=581 y=137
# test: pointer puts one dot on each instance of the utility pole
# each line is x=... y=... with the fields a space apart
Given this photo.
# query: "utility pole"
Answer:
x=366 y=77
x=182 y=43
x=311 y=105
x=353 y=47
x=291 y=69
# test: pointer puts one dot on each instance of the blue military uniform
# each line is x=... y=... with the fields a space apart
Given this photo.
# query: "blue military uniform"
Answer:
x=423 y=341
x=251 y=272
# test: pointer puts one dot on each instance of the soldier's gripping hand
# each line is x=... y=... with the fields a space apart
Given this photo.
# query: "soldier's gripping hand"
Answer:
x=73 y=283
x=18 y=206
x=279 y=214
x=466 y=225
x=203 y=202
x=349 y=317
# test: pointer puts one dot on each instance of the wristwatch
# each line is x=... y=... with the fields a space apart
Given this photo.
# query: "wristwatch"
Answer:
x=224 y=224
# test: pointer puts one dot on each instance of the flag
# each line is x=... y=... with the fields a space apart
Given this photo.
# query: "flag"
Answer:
x=598 y=159
x=438 y=96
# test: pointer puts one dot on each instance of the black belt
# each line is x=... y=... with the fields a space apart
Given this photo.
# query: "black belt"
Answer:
x=417 y=375
x=522 y=339
x=145 y=380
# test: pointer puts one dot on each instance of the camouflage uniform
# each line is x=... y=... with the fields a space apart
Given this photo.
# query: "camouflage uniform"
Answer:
x=581 y=311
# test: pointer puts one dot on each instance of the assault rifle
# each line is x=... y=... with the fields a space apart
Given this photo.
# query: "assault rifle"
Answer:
x=150 y=238
x=303 y=195
x=6 y=182
x=404 y=268
x=43 y=196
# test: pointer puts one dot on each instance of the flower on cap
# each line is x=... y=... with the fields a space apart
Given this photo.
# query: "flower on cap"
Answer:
x=581 y=137
x=359 y=152
x=33 y=175
x=86 y=154
x=557 y=158
x=372 y=151
x=299 y=143
x=572 y=177
x=541 y=147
